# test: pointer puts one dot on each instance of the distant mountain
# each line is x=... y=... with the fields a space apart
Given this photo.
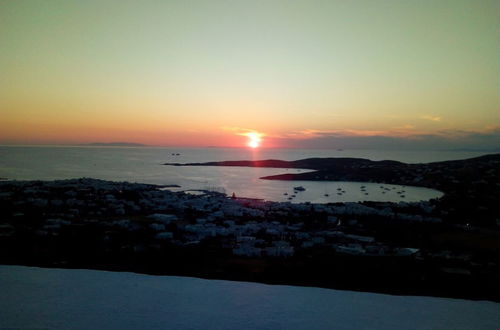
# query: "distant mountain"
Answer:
x=115 y=144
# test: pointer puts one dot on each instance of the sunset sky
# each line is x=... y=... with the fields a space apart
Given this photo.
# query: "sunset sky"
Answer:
x=296 y=73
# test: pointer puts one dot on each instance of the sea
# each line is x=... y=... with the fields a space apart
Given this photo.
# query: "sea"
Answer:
x=146 y=165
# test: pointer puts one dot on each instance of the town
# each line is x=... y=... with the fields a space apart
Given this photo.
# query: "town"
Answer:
x=398 y=248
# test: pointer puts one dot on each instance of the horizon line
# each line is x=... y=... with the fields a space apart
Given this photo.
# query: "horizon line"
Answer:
x=139 y=145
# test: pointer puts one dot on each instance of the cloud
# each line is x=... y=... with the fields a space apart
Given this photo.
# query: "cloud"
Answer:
x=400 y=137
x=352 y=139
x=405 y=127
x=431 y=117
x=242 y=131
x=313 y=133
x=399 y=131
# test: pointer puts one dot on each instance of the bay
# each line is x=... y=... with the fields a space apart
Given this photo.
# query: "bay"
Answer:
x=144 y=164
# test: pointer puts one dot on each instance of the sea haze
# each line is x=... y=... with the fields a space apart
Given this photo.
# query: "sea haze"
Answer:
x=144 y=164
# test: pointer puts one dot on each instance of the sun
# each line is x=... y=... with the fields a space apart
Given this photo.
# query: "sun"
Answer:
x=254 y=139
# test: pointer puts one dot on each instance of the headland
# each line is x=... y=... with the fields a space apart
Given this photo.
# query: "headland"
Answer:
x=471 y=186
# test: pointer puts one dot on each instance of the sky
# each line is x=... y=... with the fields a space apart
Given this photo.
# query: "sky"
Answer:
x=303 y=74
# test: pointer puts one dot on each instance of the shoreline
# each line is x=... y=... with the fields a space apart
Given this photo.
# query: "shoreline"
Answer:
x=474 y=181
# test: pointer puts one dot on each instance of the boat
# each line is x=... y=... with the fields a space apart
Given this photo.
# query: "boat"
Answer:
x=299 y=188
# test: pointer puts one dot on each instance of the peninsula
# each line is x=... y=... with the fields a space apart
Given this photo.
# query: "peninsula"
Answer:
x=471 y=186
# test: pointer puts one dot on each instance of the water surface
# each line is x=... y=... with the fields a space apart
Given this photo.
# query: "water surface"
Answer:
x=144 y=164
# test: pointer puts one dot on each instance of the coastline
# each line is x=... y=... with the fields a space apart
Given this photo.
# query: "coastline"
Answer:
x=471 y=186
